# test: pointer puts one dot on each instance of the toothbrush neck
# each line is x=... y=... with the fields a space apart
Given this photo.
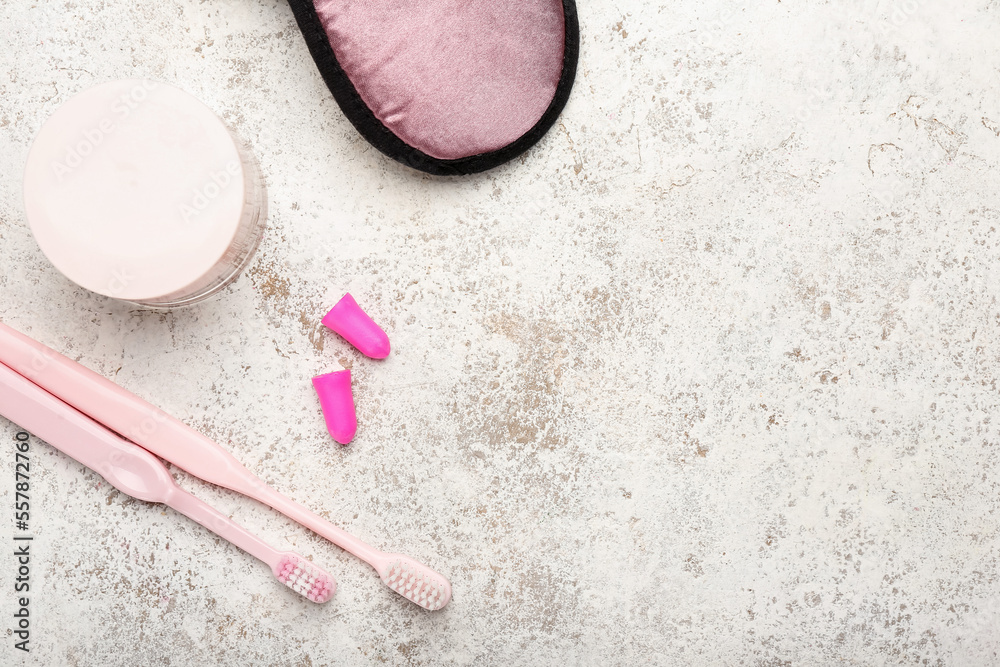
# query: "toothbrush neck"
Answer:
x=315 y=523
x=215 y=521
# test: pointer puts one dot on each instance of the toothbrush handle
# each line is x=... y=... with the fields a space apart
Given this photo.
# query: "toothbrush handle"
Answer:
x=217 y=522
x=121 y=411
x=124 y=465
x=129 y=468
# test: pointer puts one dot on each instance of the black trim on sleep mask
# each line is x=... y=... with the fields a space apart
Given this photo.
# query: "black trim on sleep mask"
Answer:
x=382 y=138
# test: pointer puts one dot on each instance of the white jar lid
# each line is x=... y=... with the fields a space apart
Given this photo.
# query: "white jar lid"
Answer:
x=134 y=189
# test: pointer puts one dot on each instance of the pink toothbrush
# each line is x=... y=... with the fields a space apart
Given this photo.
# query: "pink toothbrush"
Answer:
x=171 y=439
x=137 y=473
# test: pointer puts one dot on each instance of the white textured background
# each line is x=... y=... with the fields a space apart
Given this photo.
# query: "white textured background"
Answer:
x=709 y=377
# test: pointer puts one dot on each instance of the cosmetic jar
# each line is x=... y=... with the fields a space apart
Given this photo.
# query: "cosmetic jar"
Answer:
x=136 y=190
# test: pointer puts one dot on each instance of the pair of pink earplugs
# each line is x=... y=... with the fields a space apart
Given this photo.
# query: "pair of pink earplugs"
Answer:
x=334 y=389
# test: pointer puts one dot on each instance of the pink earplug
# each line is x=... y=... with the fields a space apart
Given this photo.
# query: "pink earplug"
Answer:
x=337 y=401
x=348 y=320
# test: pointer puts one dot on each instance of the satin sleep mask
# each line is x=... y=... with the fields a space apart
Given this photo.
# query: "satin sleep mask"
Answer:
x=446 y=86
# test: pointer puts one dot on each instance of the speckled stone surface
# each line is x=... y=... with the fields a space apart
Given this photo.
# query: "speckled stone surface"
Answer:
x=709 y=377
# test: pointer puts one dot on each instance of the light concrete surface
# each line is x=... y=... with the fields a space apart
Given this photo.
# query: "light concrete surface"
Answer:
x=709 y=377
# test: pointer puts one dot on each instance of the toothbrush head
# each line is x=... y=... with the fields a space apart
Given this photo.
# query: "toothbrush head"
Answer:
x=416 y=582
x=305 y=578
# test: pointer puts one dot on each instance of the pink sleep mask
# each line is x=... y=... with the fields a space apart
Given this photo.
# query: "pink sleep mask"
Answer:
x=446 y=86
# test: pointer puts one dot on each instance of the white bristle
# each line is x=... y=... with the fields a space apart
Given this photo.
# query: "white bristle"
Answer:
x=416 y=584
